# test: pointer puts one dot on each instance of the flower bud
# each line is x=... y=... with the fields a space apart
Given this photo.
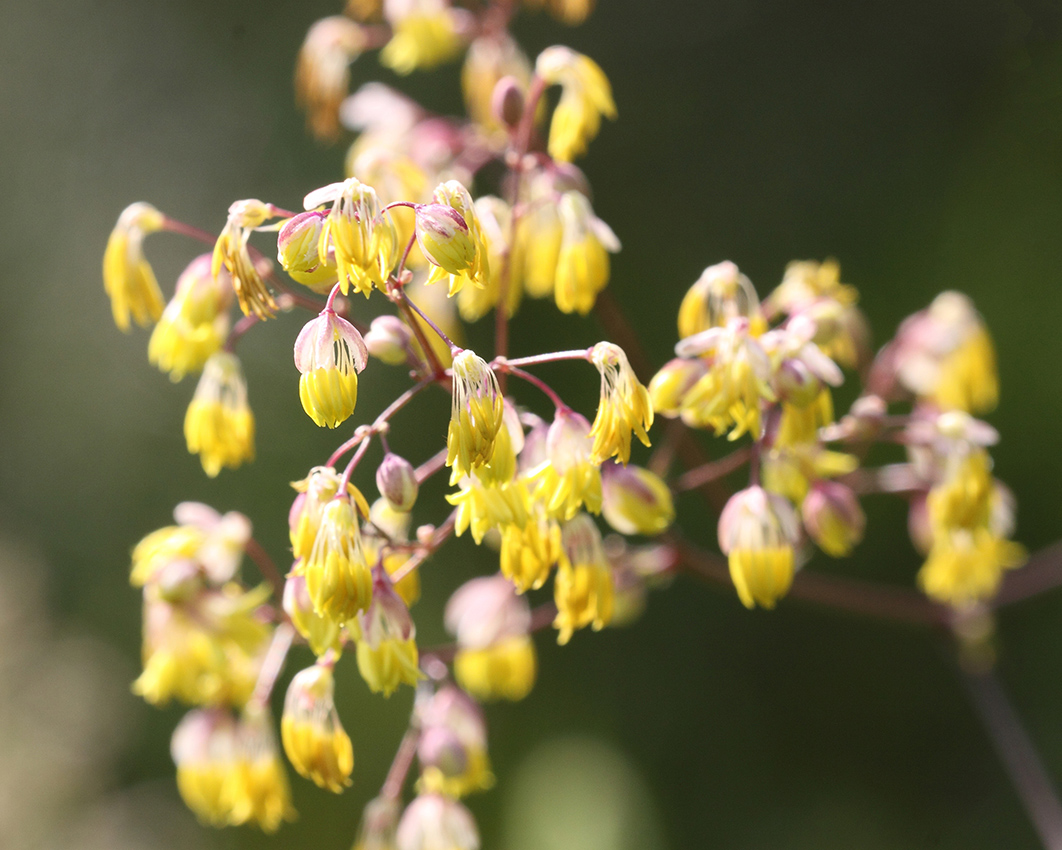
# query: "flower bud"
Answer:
x=433 y=821
x=314 y=739
x=833 y=518
x=387 y=640
x=321 y=633
x=389 y=339
x=444 y=237
x=635 y=500
x=758 y=531
x=507 y=101
x=397 y=482
x=378 y=824
x=675 y=379
x=298 y=251
x=452 y=749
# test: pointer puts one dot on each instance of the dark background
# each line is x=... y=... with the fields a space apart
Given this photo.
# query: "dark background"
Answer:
x=918 y=142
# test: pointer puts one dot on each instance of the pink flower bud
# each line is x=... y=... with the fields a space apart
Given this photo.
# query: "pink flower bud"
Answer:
x=389 y=339
x=485 y=610
x=833 y=517
x=397 y=482
x=507 y=101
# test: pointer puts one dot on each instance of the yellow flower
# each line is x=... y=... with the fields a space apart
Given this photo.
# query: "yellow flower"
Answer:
x=337 y=577
x=636 y=501
x=361 y=235
x=298 y=251
x=321 y=633
x=322 y=74
x=476 y=415
x=583 y=589
x=539 y=235
x=473 y=302
x=127 y=276
x=315 y=491
x=758 y=531
x=231 y=250
x=195 y=322
x=720 y=294
x=423 y=36
x=219 y=425
x=670 y=386
x=729 y=395
x=624 y=406
x=966 y=566
x=261 y=793
x=451 y=237
x=528 y=553
x=329 y=352
x=481 y=508
x=964 y=498
x=807 y=281
x=567 y=480
x=314 y=740
x=204 y=750
x=833 y=518
x=582 y=263
x=488 y=60
x=800 y=424
x=452 y=749
x=387 y=641
x=505 y=670
x=585 y=96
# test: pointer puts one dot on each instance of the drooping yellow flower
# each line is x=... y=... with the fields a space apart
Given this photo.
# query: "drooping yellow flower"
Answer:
x=209 y=543
x=729 y=395
x=538 y=236
x=451 y=238
x=387 y=641
x=127 y=276
x=452 y=749
x=585 y=96
x=800 y=424
x=424 y=34
x=582 y=263
x=298 y=251
x=323 y=634
x=481 y=507
x=758 y=531
x=720 y=294
x=314 y=740
x=528 y=553
x=203 y=748
x=195 y=322
x=322 y=73
x=505 y=670
x=338 y=579
x=963 y=499
x=583 y=589
x=624 y=406
x=635 y=500
x=567 y=480
x=833 y=517
x=966 y=566
x=395 y=524
x=329 y=354
x=670 y=386
x=315 y=491
x=219 y=425
x=231 y=251
x=358 y=231
x=476 y=415
x=790 y=470
x=474 y=302
x=261 y=794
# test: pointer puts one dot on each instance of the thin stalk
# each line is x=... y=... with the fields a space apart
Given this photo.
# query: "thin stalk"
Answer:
x=238 y=330
x=551 y=357
x=432 y=465
x=266 y=566
x=442 y=534
x=273 y=663
x=399 y=770
x=558 y=402
x=712 y=471
x=430 y=323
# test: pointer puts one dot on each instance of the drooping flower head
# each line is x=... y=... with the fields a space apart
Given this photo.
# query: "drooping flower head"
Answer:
x=219 y=424
x=451 y=237
x=387 y=640
x=452 y=749
x=322 y=74
x=624 y=406
x=495 y=657
x=476 y=415
x=635 y=500
x=231 y=251
x=127 y=276
x=359 y=233
x=583 y=588
x=338 y=579
x=314 y=740
x=298 y=251
x=529 y=552
x=195 y=322
x=213 y=543
x=582 y=261
x=567 y=480
x=720 y=294
x=436 y=822
x=758 y=531
x=833 y=517
x=585 y=96
x=314 y=492
x=425 y=33
x=321 y=633
x=262 y=794
x=329 y=352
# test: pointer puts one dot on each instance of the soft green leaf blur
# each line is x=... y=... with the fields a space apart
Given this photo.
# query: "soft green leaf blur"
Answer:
x=920 y=143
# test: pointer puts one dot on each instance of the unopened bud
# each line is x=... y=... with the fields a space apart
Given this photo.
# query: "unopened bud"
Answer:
x=435 y=821
x=444 y=237
x=441 y=748
x=507 y=101
x=397 y=482
x=796 y=383
x=833 y=517
x=389 y=340
x=635 y=500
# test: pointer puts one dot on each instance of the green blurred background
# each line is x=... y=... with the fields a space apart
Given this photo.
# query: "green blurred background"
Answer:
x=918 y=142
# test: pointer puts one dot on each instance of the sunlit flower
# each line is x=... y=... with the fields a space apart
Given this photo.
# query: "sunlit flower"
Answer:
x=670 y=386
x=387 y=640
x=195 y=322
x=329 y=352
x=583 y=589
x=219 y=425
x=966 y=566
x=314 y=740
x=338 y=579
x=567 y=479
x=585 y=96
x=127 y=276
x=298 y=251
x=473 y=302
x=582 y=263
x=528 y=553
x=261 y=792
x=624 y=406
x=451 y=238
x=481 y=508
x=758 y=531
x=424 y=34
x=315 y=491
x=231 y=251
x=476 y=415
x=635 y=500
x=720 y=294
x=322 y=75
x=321 y=633
x=358 y=231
